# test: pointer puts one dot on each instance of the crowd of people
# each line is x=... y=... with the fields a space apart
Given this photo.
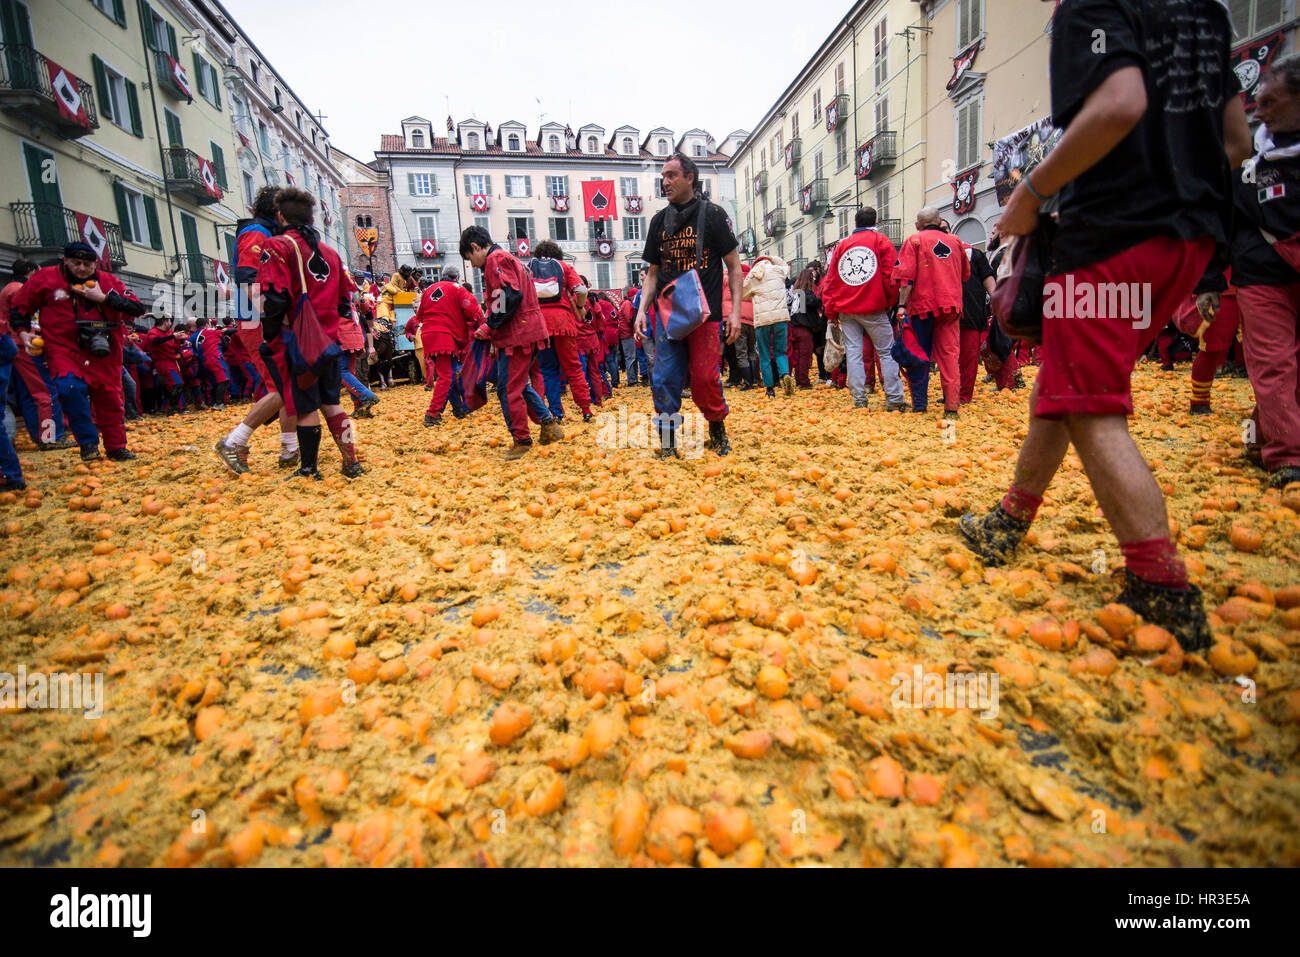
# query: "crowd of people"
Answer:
x=1153 y=193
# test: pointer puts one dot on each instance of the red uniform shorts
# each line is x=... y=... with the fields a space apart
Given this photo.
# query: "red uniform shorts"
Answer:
x=1098 y=319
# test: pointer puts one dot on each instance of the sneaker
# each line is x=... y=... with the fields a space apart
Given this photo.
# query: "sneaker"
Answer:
x=1166 y=367
x=551 y=432
x=519 y=450
x=787 y=383
x=90 y=453
x=353 y=470
x=313 y=474
x=1281 y=478
x=771 y=393
x=431 y=420
x=897 y=407
x=1200 y=408
x=1179 y=611
x=235 y=457
x=1020 y=381
x=587 y=417
x=67 y=442
x=459 y=415
x=861 y=403
x=289 y=460
x=219 y=407
x=950 y=413
x=746 y=386
x=993 y=536
x=363 y=410
x=718 y=440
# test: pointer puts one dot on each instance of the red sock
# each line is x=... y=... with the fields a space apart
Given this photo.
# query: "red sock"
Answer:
x=1156 y=561
x=1021 y=504
x=341 y=428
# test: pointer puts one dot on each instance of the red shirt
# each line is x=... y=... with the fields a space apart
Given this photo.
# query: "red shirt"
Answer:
x=163 y=349
x=328 y=288
x=560 y=320
x=446 y=314
x=626 y=319
x=527 y=326
x=860 y=278
x=49 y=291
x=933 y=261
x=209 y=343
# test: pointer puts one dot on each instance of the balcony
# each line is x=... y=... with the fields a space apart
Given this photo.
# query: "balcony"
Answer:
x=166 y=79
x=198 y=268
x=46 y=228
x=760 y=182
x=796 y=267
x=184 y=173
x=793 y=152
x=837 y=111
x=603 y=247
x=814 y=195
x=26 y=87
x=774 y=222
x=884 y=149
x=892 y=229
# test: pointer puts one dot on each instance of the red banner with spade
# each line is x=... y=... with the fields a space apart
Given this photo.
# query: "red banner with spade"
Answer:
x=209 y=179
x=522 y=246
x=67 y=93
x=428 y=249
x=222 y=275
x=92 y=232
x=479 y=202
x=598 y=200
x=181 y=78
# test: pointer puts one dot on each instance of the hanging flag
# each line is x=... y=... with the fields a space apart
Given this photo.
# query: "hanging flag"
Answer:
x=209 y=179
x=833 y=115
x=223 y=277
x=758 y=182
x=560 y=204
x=479 y=202
x=67 y=94
x=963 y=63
x=805 y=199
x=769 y=226
x=1251 y=60
x=325 y=215
x=633 y=204
x=92 y=231
x=789 y=156
x=367 y=239
x=598 y=200
x=864 y=159
x=244 y=141
x=963 y=191
x=289 y=177
x=181 y=78
x=605 y=248
x=428 y=248
x=522 y=246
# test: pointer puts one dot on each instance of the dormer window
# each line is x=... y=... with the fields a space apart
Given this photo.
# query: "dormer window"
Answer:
x=627 y=145
x=471 y=141
x=554 y=144
x=417 y=139
x=513 y=142
x=591 y=144
x=699 y=150
x=663 y=147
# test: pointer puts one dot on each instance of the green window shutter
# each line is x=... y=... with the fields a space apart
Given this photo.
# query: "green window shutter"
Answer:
x=230 y=248
x=487 y=184
x=101 y=88
x=171 y=41
x=532 y=228
x=528 y=186
x=133 y=105
x=467 y=188
x=151 y=218
x=566 y=187
x=216 y=86
x=146 y=24
x=219 y=165
x=433 y=183
x=119 y=13
x=123 y=217
x=410 y=183
x=200 y=74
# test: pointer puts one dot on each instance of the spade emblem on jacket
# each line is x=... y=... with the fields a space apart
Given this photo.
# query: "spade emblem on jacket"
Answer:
x=941 y=250
x=318 y=267
x=435 y=295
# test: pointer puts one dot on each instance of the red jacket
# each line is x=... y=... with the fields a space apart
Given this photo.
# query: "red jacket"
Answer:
x=934 y=263
x=526 y=326
x=560 y=318
x=49 y=292
x=626 y=318
x=163 y=349
x=329 y=290
x=6 y=296
x=446 y=315
x=860 y=278
x=209 y=343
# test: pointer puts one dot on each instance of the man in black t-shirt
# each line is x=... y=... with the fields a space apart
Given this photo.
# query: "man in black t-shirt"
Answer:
x=1148 y=100
x=974 y=319
x=670 y=251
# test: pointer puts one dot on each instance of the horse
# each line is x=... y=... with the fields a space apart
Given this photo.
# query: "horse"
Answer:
x=385 y=345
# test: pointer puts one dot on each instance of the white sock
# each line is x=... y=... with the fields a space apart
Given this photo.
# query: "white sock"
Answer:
x=288 y=441
x=240 y=435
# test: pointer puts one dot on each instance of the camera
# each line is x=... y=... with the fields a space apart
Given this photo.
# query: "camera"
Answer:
x=95 y=336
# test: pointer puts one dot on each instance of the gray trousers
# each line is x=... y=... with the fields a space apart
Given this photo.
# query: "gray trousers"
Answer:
x=881 y=334
x=629 y=359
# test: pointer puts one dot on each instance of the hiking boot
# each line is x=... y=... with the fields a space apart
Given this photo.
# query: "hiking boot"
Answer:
x=313 y=474
x=1200 y=408
x=235 y=457
x=745 y=387
x=1179 y=611
x=353 y=470
x=1254 y=454
x=950 y=413
x=787 y=383
x=1281 y=478
x=67 y=442
x=90 y=453
x=994 y=535
x=518 y=450
x=587 y=417
x=288 y=460
x=363 y=410
x=771 y=392
x=1020 y=381
x=431 y=420
x=1166 y=367
x=459 y=415
x=551 y=432
x=899 y=406
x=861 y=403
x=718 y=440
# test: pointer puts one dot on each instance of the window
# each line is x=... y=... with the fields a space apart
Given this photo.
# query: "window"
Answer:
x=841 y=148
x=880 y=43
x=796 y=183
x=417 y=139
x=477 y=184
x=627 y=145
x=478 y=282
x=663 y=147
x=553 y=144
x=427 y=224
x=519 y=187
x=882 y=202
x=778 y=195
x=762 y=159
x=798 y=246
x=633 y=227
x=520 y=227
x=135 y=225
x=839 y=79
x=416 y=134
x=591 y=145
x=627 y=186
x=256 y=74
x=706 y=190
x=297 y=118
x=817 y=104
x=218 y=163
x=421 y=184
x=263 y=138
x=1255 y=16
x=794 y=125
x=561 y=228
x=882 y=114
x=480 y=221
x=557 y=186
x=513 y=142
x=115 y=10
x=118 y=99
x=634 y=273
x=205 y=78
x=250 y=188
x=970 y=23
x=699 y=150
x=842 y=224
x=603 y=280
x=278 y=99
x=659 y=187
x=471 y=141
x=780 y=248
x=430 y=274
x=821 y=234
x=968 y=133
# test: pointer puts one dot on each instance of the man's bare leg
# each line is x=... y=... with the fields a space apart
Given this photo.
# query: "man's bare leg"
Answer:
x=1121 y=478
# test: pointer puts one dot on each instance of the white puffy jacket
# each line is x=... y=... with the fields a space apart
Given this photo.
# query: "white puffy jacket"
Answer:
x=765 y=284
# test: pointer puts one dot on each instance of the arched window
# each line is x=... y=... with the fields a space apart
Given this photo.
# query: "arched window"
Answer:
x=591 y=144
x=417 y=139
x=471 y=141
x=663 y=147
x=360 y=222
x=369 y=222
x=627 y=144
x=554 y=144
x=514 y=141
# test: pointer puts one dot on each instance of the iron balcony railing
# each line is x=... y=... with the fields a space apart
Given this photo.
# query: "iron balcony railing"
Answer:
x=840 y=102
x=46 y=227
x=184 y=173
x=760 y=181
x=26 y=86
x=893 y=230
x=884 y=152
x=797 y=266
x=167 y=81
x=198 y=268
x=793 y=153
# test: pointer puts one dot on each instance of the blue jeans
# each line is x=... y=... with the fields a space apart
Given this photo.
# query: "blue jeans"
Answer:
x=552 y=379
x=9 y=466
x=611 y=365
x=354 y=385
x=27 y=404
x=74 y=396
x=771 y=345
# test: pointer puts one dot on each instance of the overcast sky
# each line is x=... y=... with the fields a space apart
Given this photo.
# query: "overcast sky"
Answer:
x=368 y=64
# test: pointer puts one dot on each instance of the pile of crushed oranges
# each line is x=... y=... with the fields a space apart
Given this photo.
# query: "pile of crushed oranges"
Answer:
x=594 y=657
